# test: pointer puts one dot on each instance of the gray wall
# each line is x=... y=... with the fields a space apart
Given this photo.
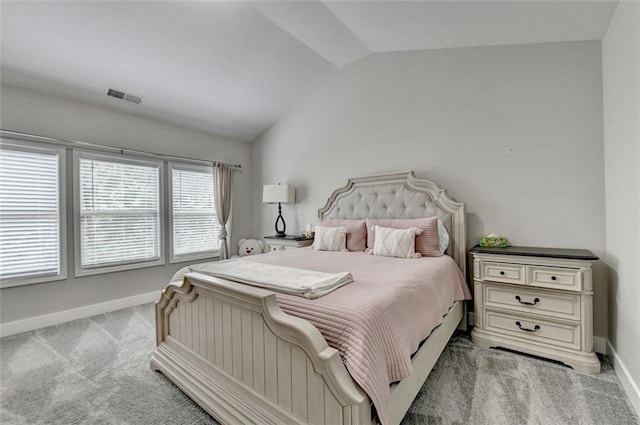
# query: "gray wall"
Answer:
x=32 y=112
x=621 y=82
x=514 y=132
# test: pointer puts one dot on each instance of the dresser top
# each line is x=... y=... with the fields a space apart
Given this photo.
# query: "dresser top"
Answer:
x=573 y=254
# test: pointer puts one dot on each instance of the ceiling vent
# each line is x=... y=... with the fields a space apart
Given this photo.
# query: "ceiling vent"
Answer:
x=124 y=96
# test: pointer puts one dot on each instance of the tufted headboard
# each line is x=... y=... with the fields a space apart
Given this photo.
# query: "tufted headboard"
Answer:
x=400 y=195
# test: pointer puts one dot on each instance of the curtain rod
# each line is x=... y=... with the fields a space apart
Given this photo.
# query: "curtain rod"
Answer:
x=77 y=143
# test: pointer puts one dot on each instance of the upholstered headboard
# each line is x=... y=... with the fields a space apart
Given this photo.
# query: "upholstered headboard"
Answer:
x=400 y=195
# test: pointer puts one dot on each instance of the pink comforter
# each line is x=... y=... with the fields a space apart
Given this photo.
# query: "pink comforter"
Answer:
x=377 y=321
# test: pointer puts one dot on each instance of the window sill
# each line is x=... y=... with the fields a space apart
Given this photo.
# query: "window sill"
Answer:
x=112 y=269
x=12 y=283
x=196 y=257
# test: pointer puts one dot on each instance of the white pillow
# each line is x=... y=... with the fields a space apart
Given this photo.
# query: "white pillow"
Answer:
x=443 y=237
x=399 y=243
x=330 y=239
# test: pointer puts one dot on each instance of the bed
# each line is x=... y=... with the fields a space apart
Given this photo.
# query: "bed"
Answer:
x=234 y=351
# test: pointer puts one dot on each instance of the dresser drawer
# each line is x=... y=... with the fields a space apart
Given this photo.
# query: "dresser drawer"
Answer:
x=533 y=329
x=554 y=277
x=549 y=304
x=501 y=272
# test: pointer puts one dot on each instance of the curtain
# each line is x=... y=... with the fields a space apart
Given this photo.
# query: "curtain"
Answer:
x=222 y=188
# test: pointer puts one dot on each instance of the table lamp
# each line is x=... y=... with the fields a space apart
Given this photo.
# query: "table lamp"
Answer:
x=280 y=194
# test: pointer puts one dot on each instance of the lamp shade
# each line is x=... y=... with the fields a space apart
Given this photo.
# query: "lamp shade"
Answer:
x=274 y=193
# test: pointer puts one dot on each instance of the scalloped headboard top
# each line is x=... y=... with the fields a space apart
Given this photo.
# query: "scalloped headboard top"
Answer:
x=400 y=195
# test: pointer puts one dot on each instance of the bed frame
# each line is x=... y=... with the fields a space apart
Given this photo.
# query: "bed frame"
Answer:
x=231 y=349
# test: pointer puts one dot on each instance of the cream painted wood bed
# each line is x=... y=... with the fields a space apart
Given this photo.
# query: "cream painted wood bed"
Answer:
x=231 y=349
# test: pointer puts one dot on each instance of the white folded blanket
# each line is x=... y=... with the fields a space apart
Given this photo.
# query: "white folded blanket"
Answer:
x=289 y=280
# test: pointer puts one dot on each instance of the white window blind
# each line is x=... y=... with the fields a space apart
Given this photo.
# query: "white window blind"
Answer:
x=119 y=212
x=30 y=213
x=195 y=226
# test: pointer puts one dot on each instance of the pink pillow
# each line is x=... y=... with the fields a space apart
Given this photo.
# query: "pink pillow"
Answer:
x=427 y=243
x=356 y=232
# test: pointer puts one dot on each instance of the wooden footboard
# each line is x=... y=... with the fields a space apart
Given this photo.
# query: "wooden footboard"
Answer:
x=238 y=355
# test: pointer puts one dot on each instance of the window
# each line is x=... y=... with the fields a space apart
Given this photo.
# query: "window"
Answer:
x=32 y=214
x=194 y=224
x=118 y=220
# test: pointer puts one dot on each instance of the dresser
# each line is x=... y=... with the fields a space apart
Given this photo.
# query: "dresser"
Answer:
x=287 y=242
x=537 y=301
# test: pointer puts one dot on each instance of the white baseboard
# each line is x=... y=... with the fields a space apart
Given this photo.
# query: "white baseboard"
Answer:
x=25 y=325
x=629 y=385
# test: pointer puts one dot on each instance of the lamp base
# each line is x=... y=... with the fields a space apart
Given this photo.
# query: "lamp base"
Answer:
x=280 y=219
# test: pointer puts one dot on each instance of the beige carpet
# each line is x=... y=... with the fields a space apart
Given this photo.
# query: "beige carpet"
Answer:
x=96 y=371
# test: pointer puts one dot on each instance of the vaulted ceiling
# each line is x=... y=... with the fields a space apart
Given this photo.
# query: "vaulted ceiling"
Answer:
x=234 y=68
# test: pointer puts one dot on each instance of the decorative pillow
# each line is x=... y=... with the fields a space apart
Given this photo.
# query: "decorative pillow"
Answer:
x=427 y=243
x=399 y=243
x=356 y=232
x=330 y=239
x=443 y=237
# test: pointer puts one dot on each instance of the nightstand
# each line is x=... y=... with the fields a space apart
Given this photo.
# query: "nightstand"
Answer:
x=287 y=242
x=537 y=301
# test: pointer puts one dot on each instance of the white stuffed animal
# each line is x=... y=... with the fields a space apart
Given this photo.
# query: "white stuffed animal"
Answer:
x=250 y=247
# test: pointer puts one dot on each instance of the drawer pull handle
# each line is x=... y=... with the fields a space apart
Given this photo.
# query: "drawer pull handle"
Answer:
x=535 y=301
x=553 y=278
x=535 y=328
x=501 y=273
